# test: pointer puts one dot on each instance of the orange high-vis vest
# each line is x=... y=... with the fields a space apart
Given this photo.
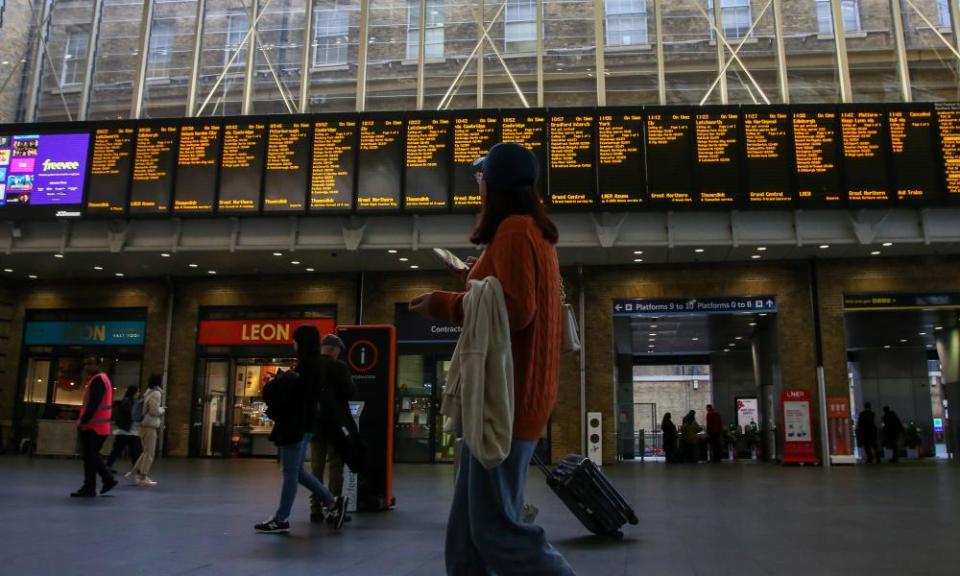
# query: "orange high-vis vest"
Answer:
x=100 y=423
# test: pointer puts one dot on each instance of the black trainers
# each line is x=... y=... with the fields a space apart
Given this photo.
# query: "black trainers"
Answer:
x=108 y=486
x=84 y=493
x=337 y=513
x=273 y=527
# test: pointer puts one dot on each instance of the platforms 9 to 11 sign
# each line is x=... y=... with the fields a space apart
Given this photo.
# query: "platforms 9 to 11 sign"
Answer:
x=644 y=158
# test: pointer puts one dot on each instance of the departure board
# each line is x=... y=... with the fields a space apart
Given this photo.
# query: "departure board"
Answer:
x=334 y=154
x=573 y=176
x=913 y=155
x=473 y=136
x=718 y=156
x=670 y=153
x=948 y=119
x=621 y=175
x=816 y=157
x=529 y=130
x=427 y=185
x=153 y=168
x=110 y=170
x=864 y=138
x=288 y=167
x=241 y=167
x=195 y=190
x=380 y=164
x=768 y=157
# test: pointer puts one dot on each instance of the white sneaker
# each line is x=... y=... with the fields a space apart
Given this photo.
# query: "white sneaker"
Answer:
x=146 y=481
x=132 y=477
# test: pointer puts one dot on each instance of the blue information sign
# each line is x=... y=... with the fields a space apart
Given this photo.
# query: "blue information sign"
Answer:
x=667 y=306
x=106 y=333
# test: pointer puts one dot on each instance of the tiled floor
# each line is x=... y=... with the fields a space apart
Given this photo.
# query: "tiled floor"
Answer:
x=699 y=520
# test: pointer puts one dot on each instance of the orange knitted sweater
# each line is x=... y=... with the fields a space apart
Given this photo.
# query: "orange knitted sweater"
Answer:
x=526 y=265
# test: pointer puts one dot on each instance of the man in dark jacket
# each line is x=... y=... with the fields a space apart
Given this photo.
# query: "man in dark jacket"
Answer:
x=867 y=433
x=891 y=432
x=714 y=434
x=340 y=389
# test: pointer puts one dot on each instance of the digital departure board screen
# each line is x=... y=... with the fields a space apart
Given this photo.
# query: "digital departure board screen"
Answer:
x=573 y=176
x=913 y=155
x=241 y=167
x=334 y=155
x=718 y=156
x=195 y=190
x=288 y=165
x=380 y=164
x=621 y=173
x=153 y=169
x=670 y=157
x=427 y=185
x=473 y=136
x=816 y=157
x=110 y=169
x=768 y=156
x=948 y=120
x=43 y=170
x=529 y=130
x=865 y=163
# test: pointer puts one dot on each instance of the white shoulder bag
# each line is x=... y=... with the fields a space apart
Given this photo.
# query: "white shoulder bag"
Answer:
x=571 y=334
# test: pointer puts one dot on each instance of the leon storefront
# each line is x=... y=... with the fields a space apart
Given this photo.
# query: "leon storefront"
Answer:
x=238 y=352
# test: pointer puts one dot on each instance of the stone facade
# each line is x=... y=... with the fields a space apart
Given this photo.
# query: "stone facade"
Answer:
x=15 y=52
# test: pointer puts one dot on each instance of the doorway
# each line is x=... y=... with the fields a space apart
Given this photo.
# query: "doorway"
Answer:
x=419 y=435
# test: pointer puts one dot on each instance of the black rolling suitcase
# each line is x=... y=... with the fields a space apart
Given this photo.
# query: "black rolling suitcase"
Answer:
x=589 y=495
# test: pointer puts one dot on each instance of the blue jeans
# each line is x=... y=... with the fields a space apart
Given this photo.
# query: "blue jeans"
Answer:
x=484 y=533
x=291 y=459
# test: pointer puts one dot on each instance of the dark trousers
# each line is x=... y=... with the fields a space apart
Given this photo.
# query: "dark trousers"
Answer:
x=123 y=442
x=716 y=447
x=90 y=445
x=322 y=453
x=871 y=450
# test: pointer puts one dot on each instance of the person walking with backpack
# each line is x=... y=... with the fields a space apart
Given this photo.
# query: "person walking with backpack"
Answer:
x=127 y=415
x=149 y=430
x=94 y=427
x=292 y=403
x=485 y=533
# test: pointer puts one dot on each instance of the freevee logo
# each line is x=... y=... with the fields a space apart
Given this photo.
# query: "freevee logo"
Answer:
x=49 y=165
x=257 y=332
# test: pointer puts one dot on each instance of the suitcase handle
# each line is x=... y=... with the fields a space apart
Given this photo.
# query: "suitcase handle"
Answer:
x=539 y=463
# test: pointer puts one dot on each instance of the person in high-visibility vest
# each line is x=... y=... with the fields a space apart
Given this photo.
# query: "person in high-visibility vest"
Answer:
x=94 y=427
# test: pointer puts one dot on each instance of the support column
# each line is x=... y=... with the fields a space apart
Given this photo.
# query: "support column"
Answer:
x=903 y=66
x=661 y=66
x=540 y=98
x=146 y=23
x=362 y=55
x=421 y=52
x=955 y=28
x=840 y=45
x=250 y=73
x=481 y=11
x=600 y=41
x=39 y=57
x=307 y=64
x=782 y=79
x=721 y=49
x=92 y=40
x=197 y=51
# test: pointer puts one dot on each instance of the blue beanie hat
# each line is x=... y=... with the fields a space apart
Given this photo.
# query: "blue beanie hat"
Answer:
x=508 y=165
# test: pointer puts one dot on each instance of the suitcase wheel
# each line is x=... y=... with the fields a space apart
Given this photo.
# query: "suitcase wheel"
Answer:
x=633 y=520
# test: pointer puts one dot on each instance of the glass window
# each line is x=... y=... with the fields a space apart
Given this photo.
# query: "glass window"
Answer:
x=569 y=53
x=37 y=384
x=161 y=50
x=279 y=57
x=331 y=37
x=118 y=55
x=433 y=37
x=851 y=16
x=933 y=70
x=943 y=9
x=69 y=387
x=237 y=27
x=520 y=26
x=626 y=22
x=391 y=77
x=74 y=58
x=736 y=17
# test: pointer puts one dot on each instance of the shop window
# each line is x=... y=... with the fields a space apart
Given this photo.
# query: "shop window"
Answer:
x=69 y=387
x=433 y=34
x=626 y=22
x=851 y=16
x=331 y=37
x=943 y=10
x=37 y=384
x=237 y=27
x=74 y=58
x=736 y=17
x=161 y=50
x=520 y=26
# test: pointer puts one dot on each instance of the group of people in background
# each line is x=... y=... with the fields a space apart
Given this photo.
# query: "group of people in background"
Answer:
x=687 y=444
x=870 y=438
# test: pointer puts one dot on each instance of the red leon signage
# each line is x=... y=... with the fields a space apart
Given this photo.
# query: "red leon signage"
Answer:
x=257 y=332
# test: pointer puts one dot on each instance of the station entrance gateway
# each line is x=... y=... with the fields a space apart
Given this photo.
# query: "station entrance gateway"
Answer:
x=678 y=355
x=901 y=352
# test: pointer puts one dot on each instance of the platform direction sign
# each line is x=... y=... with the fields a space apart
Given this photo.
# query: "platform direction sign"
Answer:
x=668 y=306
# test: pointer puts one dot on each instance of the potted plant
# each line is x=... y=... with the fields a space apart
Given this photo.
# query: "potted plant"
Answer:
x=912 y=440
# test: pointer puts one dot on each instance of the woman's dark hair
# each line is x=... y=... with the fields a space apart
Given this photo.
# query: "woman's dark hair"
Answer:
x=501 y=203
x=307 y=338
x=131 y=391
x=666 y=417
x=155 y=381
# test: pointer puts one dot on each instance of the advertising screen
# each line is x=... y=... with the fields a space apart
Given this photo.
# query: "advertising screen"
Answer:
x=241 y=167
x=427 y=185
x=153 y=168
x=817 y=157
x=288 y=167
x=380 y=164
x=473 y=136
x=620 y=164
x=334 y=154
x=110 y=170
x=913 y=155
x=865 y=155
x=195 y=188
x=43 y=170
x=768 y=157
x=718 y=157
x=670 y=155
x=573 y=176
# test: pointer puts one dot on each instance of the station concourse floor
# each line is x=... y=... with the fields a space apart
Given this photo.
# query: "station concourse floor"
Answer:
x=738 y=519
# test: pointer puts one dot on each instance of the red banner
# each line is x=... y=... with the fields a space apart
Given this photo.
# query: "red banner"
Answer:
x=798 y=445
x=257 y=332
x=838 y=422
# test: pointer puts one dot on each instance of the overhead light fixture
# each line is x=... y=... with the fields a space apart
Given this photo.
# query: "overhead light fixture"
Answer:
x=295 y=262
x=929 y=345
x=653 y=326
x=310 y=270
x=119 y=274
x=695 y=339
x=938 y=328
x=726 y=349
x=391 y=251
x=638 y=260
x=875 y=253
x=755 y=257
x=764 y=314
x=278 y=253
x=98 y=268
x=651 y=346
x=414 y=267
x=193 y=265
x=58 y=255
x=32 y=276
x=761 y=248
x=824 y=246
x=922 y=334
x=753 y=323
x=699 y=250
x=887 y=244
x=638 y=252
x=886 y=347
x=739 y=338
x=903 y=340
x=8 y=270
x=404 y=259
x=211 y=272
x=164 y=254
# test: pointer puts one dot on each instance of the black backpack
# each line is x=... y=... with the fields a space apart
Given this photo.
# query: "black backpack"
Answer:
x=285 y=407
x=123 y=414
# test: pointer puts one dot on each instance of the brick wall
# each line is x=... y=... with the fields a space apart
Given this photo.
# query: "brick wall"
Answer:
x=14 y=48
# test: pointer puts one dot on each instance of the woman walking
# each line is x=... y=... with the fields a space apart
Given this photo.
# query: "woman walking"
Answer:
x=149 y=429
x=484 y=531
x=292 y=403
